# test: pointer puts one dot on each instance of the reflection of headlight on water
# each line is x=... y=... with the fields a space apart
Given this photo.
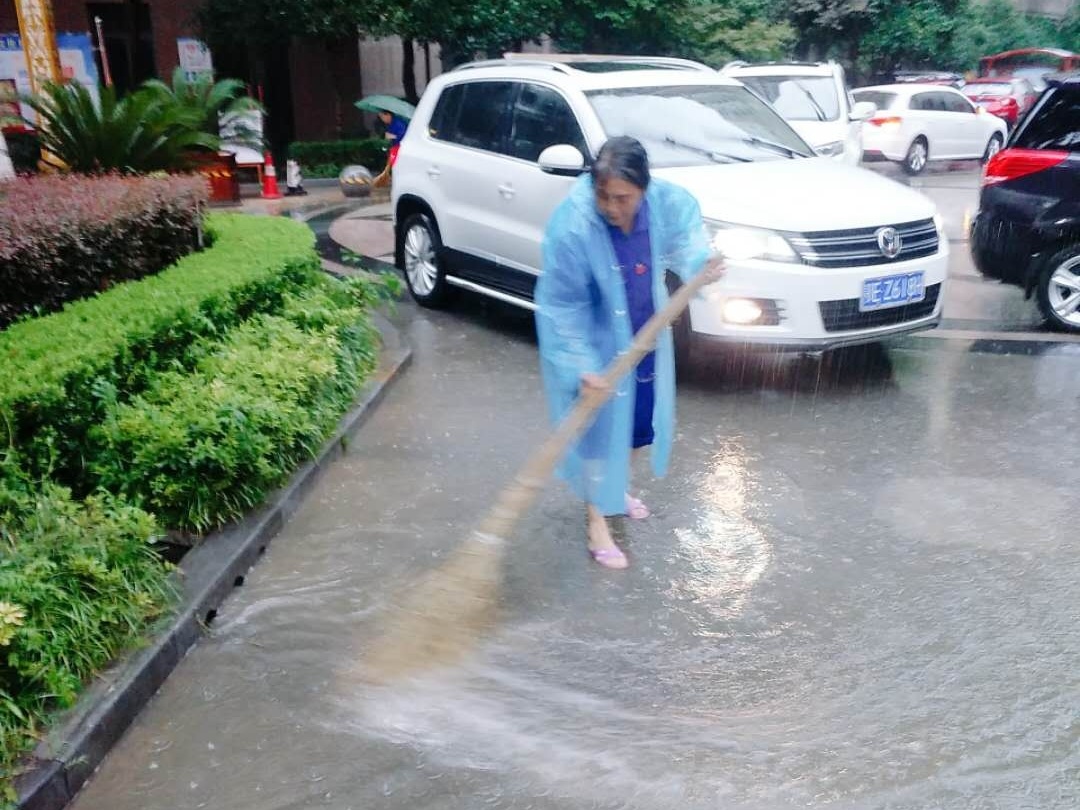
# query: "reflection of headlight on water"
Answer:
x=726 y=552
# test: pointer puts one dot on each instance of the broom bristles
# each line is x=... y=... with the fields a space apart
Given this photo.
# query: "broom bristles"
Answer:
x=442 y=617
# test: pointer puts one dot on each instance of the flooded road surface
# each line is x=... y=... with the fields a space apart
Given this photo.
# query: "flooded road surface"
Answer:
x=859 y=591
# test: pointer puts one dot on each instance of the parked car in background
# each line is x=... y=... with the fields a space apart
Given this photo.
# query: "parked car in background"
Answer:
x=815 y=99
x=1007 y=98
x=942 y=77
x=821 y=254
x=1027 y=230
x=918 y=123
x=1033 y=64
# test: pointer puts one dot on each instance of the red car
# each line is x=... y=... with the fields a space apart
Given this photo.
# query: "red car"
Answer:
x=1007 y=98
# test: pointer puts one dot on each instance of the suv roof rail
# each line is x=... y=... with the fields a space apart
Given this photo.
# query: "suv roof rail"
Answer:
x=564 y=62
x=738 y=63
x=483 y=63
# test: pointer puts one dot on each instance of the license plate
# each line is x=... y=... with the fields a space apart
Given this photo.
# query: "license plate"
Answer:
x=892 y=291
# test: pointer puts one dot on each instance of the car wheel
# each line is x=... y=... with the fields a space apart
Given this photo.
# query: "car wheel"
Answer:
x=1059 y=290
x=917 y=156
x=420 y=248
x=993 y=147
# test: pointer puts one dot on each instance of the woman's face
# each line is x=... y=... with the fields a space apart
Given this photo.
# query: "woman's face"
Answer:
x=386 y=117
x=618 y=202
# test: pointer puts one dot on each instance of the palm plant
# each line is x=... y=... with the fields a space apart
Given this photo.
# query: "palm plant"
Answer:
x=137 y=133
x=215 y=103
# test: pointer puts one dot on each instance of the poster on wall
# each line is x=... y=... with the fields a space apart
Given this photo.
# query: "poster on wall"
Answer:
x=195 y=59
x=76 y=64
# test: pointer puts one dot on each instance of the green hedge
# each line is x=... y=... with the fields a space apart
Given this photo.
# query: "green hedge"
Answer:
x=57 y=366
x=79 y=582
x=199 y=448
x=328 y=158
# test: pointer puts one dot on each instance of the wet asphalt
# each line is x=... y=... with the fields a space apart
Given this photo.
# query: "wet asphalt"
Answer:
x=858 y=590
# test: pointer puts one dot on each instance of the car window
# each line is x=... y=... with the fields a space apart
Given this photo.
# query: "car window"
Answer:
x=798 y=98
x=694 y=125
x=924 y=101
x=880 y=99
x=954 y=102
x=444 y=117
x=475 y=115
x=1055 y=124
x=543 y=118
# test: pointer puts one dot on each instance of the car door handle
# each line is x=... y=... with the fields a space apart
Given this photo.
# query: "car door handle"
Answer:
x=507 y=191
x=434 y=172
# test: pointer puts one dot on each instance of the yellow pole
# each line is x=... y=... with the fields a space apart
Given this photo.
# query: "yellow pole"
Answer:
x=38 y=35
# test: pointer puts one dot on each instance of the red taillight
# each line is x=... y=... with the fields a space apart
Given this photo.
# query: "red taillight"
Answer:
x=1011 y=164
x=895 y=120
x=392 y=156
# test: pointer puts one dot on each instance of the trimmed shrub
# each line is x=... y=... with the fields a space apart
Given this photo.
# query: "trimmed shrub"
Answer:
x=79 y=582
x=204 y=447
x=67 y=237
x=328 y=158
x=56 y=366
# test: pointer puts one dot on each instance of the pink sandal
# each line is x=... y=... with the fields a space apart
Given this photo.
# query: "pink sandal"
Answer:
x=612 y=557
x=636 y=509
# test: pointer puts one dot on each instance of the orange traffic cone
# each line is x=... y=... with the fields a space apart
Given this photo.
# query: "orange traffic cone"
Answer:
x=270 y=189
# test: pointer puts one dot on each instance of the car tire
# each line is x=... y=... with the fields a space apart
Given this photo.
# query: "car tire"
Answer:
x=918 y=155
x=420 y=249
x=1058 y=290
x=993 y=147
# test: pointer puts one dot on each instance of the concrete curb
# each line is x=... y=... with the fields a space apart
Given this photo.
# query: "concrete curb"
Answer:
x=63 y=761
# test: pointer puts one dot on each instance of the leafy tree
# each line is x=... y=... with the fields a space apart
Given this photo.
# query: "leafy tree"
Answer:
x=739 y=29
x=914 y=34
x=653 y=27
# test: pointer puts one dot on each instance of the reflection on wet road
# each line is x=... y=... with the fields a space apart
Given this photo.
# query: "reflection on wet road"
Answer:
x=858 y=591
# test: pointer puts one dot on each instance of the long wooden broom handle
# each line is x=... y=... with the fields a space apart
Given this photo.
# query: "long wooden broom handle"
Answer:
x=518 y=496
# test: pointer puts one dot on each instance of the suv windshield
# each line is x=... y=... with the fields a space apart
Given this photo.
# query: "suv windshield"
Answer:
x=698 y=124
x=798 y=98
x=1055 y=124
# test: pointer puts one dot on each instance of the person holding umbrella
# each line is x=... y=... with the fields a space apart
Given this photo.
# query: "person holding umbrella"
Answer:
x=395 y=115
x=394 y=127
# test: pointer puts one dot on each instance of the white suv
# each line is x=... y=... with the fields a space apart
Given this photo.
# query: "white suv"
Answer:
x=814 y=98
x=836 y=255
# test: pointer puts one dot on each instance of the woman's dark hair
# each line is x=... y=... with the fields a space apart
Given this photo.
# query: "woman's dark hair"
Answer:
x=623 y=158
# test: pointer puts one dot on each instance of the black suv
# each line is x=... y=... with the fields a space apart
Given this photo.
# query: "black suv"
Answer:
x=1027 y=231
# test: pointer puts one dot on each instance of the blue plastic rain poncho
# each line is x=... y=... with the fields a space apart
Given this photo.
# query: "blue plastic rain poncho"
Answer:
x=582 y=324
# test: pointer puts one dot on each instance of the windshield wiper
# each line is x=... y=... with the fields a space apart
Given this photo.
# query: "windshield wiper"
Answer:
x=711 y=154
x=754 y=140
x=818 y=111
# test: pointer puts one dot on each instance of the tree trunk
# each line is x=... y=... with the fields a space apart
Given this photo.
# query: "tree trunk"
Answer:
x=427 y=63
x=408 y=71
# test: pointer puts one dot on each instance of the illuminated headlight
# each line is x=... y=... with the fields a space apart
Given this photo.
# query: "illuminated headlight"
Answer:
x=834 y=149
x=738 y=243
x=741 y=311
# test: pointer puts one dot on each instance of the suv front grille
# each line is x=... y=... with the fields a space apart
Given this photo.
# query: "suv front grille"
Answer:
x=859 y=246
x=842 y=316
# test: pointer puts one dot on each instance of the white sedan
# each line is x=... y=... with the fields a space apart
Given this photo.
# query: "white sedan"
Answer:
x=917 y=123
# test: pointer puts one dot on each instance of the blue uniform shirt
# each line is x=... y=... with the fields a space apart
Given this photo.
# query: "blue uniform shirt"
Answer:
x=397 y=128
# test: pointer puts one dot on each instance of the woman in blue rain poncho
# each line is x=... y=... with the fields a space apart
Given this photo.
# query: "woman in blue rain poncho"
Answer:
x=606 y=251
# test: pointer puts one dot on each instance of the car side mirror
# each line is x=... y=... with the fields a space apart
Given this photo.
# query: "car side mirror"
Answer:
x=863 y=111
x=563 y=160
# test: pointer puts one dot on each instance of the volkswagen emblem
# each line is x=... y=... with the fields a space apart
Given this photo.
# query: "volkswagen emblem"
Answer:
x=889 y=241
